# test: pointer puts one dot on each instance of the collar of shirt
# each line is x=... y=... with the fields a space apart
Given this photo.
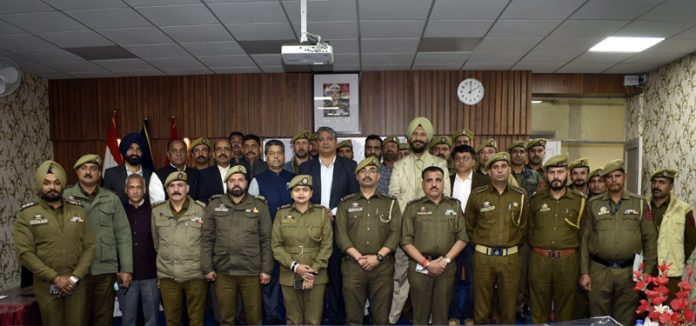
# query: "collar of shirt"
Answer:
x=176 y=168
x=142 y=201
x=468 y=178
x=333 y=161
x=129 y=172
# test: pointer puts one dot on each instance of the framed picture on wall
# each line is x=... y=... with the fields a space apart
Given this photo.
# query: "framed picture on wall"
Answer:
x=337 y=102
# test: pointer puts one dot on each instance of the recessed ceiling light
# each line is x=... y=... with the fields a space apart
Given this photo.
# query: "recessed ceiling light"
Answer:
x=537 y=101
x=625 y=44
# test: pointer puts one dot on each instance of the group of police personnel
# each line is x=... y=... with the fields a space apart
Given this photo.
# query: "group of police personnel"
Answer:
x=465 y=235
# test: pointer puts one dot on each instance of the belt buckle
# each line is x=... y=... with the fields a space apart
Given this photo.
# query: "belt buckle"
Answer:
x=554 y=253
x=496 y=251
x=301 y=249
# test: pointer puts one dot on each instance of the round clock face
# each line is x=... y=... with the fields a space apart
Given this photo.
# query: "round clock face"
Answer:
x=470 y=91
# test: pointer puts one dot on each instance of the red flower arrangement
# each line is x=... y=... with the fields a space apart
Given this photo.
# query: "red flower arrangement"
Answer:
x=678 y=311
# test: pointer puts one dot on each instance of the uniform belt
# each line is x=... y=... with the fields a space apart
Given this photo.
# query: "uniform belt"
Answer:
x=553 y=253
x=613 y=263
x=302 y=250
x=496 y=251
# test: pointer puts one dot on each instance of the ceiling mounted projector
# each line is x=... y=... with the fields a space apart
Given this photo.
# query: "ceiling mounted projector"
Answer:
x=307 y=52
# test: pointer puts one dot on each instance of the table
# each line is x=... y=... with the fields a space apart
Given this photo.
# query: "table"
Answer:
x=19 y=308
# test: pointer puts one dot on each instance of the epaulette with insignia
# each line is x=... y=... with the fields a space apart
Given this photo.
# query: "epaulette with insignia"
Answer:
x=387 y=195
x=518 y=189
x=159 y=202
x=261 y=198
x=317 y=206
x=636 y=196
x=200 y=203
x=285 y=206
x=595 y=197
x=349 y=196
x=215 y=197
x=73 y=201
x=413 y=201
x=575 y=192
x=27 y=205
x=480 y=189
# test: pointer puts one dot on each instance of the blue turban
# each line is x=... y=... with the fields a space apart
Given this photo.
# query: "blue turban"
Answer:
x=131 y=138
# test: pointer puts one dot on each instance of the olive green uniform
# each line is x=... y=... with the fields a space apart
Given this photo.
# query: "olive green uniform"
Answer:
x=114 y=251
x=554 y=237
x=56 y=242
x=305 y=238
x=368 y=225
x=433 y=229
x=236 y=244
x=611 y=236
x=177 y=238
x=497 y=225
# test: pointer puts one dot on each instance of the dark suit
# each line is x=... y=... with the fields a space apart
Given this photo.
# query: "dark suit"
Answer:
x=192 y=176
x=210 y=183
x=115 y=180
x=461 y=307
x=343 y=183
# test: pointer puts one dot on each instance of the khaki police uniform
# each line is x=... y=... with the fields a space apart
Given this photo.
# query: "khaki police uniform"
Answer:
x=368 y=225
x=433 y=229
x=497 y=225
x=305 y=238
x=612 y=235
x=56 y=242
x=554 y=228
x=177 y=238
x=236 y=244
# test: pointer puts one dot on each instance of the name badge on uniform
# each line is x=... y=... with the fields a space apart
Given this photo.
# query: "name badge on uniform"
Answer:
x=221 y=208
x=38 y=220
x=450 y=212
x=544 y=208
x=197 y=219
x=354 y=207
x=631 y=211
x=603 y=210
x=423 y=211
x=288 y=219
x=77 y=219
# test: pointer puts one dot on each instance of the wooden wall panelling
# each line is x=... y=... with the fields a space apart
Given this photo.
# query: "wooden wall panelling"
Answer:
x=578 y=85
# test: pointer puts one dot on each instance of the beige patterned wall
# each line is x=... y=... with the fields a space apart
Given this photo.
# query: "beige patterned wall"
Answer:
x=24 y=144
x=665 y=115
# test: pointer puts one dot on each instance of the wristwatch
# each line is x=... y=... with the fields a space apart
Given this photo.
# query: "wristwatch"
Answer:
x=380 y=258
x=448 y=260
x=74 y=279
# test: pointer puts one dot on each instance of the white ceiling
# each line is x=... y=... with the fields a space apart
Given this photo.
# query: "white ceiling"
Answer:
x=182 y=37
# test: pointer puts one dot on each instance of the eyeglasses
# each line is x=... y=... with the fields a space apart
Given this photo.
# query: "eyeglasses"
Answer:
x=462 y=159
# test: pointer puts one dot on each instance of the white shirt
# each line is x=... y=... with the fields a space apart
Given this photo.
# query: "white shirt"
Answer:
x=254 y=187
x=326 y=181
x=155 y=189
x=462 y=188
x=223 y=173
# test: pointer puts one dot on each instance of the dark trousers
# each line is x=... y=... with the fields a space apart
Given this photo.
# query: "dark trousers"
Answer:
x=99 y=306
x=273 y=306
x=461 y=306
x=335 y=310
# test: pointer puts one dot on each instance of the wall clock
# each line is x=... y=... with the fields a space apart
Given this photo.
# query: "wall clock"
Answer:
x=470 y=91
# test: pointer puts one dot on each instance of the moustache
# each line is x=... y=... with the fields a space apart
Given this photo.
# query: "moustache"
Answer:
x=223 y=155
x=366 y=179
x=434 y=188
x=176 y=193
x=88 y=175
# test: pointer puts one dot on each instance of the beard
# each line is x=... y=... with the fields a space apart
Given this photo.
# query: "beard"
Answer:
x=579 y=183
x=556 y=184
x=51 y=196
x=390 y=156
x=236 y=192
x=133 y=160
x=418 y=146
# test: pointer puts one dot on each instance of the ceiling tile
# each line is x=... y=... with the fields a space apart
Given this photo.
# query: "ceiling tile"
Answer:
x=37 y=22
x=176 y=63
x=467 y=9
x=632 y=68
x=198 y=33
x=523 y=28
x=346 y=68
x=226 y=61
x=267 y=59
x=654 y=29
x=386 y=59
x=37 y=68
x=54 y=76
x=266 y=31
x=507 y=43
x=136 y=36
x=599 y=57
x=49 y=56
x=140 y=72
x=347 y=59
x=20 y=42
x=448 y=44
x=672 y=11
x=213 y=48
x=457 y=28
x=345 y=46
x=249 y=12
x=674 y=45
x=550 y=57
x=120 y=65
x=332 y=30
x=442 y=66
x=485 y=57
x=538 y=67
x=393 y=9
x=487 y=66
x=109 y=18
x=585 y=28
x=334 y=10
x=73 y=67
x=540 y=9
x=391 y=28
x=85 y=4
x=614 y=9
x=272 y=69
x=178 y=15
x=587 y=68
x=568 y=43
x=430 y=58
x=653 y=57
x=389 y=45
x=16 y=58
x=95 y=74
x=6 y=29
x=237 y=70
x=157 y=51
x=75 y=39
x=187 y=71
x=160 y=2
x=20 y=6
x=689 y=34
x=386 y=67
